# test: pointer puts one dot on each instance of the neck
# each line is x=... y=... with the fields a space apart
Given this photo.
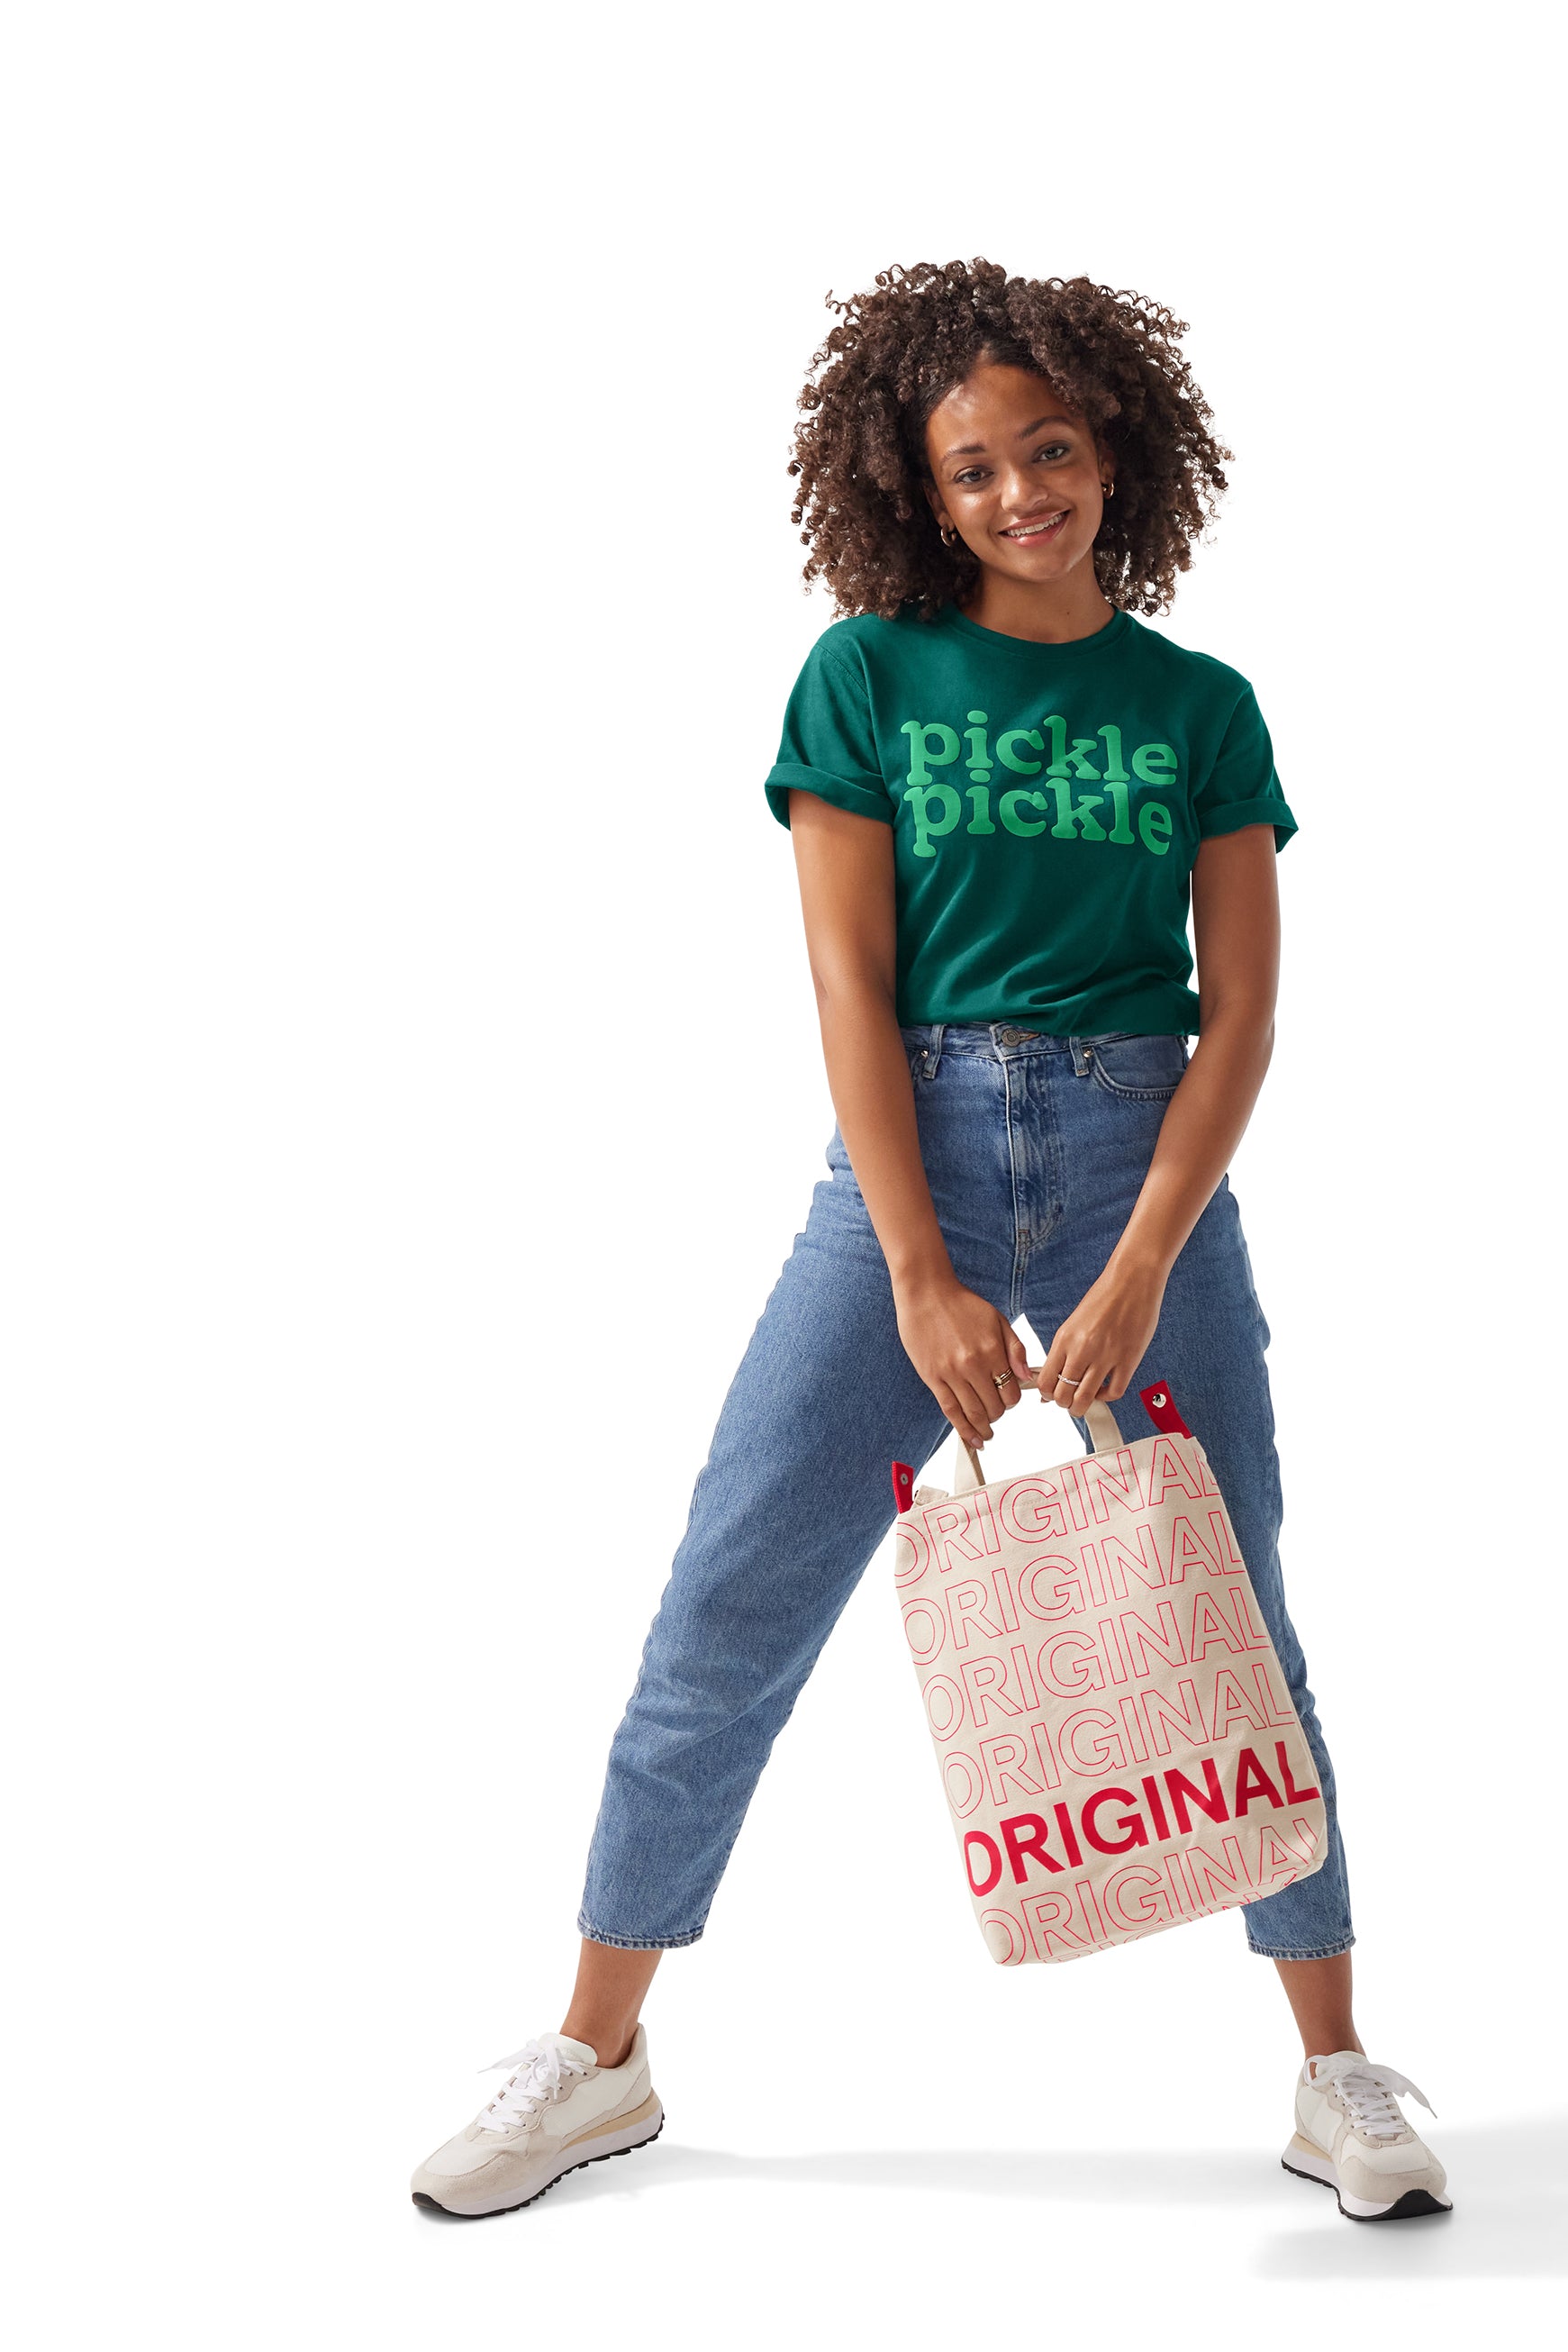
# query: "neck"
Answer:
x=1050 y=613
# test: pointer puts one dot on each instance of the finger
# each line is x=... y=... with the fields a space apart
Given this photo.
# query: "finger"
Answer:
x=981 y=1414
x=962 y=1420
x=1007 y=1378
x=1046 y=1378
x=982 y=1408
x=1019 y=1365
x=1080 y=1387
x=975 y=1389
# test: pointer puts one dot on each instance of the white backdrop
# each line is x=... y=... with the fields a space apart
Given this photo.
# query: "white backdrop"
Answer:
x=414 y=1088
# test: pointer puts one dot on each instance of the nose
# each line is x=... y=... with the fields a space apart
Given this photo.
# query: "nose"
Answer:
x=1016 y=491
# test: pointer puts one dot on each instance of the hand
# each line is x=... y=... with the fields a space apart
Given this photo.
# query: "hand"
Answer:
x=1098 y=1347
x=955 y=1339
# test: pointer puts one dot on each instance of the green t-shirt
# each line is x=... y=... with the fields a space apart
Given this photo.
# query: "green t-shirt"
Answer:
x=1047 y=803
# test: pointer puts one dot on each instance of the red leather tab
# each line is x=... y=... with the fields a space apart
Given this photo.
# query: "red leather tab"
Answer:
x=903 y=1484
x=1160 y=1406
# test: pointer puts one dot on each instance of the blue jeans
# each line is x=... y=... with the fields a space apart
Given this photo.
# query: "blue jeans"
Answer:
x=1035 y=1147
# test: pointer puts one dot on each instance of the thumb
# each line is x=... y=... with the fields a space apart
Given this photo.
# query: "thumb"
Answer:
x=1018 y=1357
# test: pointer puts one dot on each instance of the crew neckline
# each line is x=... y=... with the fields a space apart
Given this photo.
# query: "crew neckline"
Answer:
x=1111 y=633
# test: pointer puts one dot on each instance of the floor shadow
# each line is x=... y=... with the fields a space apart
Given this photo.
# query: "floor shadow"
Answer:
x=1508 y=2182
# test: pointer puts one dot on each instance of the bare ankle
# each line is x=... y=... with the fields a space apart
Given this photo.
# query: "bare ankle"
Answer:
x=611 y=2044
x=612 y=1981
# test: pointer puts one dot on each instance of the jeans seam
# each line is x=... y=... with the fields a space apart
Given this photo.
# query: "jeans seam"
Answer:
x=1129 y=1094
x=636 y=1943
x=1020 y=1246
x=1328 y=1952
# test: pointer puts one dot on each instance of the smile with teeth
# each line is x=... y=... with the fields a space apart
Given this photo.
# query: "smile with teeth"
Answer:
x=1037 y=527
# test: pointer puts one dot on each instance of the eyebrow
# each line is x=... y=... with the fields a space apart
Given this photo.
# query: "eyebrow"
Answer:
x=973 y=448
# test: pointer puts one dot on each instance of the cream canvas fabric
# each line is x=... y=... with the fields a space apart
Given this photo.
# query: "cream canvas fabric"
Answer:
x=1115 y=1738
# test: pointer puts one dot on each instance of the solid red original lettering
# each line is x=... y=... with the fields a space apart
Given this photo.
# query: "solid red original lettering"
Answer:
x=1025 y=1835
x=1209 y=1798
x=1251 y=1780
x=1131 y=1822
x=977 y=1837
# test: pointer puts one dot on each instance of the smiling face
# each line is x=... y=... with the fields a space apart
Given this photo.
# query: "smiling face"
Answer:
x=1016 y=473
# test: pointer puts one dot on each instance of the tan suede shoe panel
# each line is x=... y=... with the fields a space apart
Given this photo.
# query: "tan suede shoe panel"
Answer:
x=605 y=2109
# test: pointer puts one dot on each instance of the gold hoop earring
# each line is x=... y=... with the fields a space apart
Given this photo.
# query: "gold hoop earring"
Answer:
x=1107 y=489
x=949 y=538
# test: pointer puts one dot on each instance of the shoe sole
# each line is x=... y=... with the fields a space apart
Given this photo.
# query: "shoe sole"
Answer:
x=1311 y=2164
x=644 y=2140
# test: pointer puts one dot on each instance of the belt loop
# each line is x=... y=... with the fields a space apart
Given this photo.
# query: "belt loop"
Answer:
x=1079 y=1058
x=933 y=1051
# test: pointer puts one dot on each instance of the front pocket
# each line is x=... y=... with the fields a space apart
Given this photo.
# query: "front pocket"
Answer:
x=1139 y=1068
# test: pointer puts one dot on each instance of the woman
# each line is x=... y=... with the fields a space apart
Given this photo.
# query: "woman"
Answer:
x=1001 y=788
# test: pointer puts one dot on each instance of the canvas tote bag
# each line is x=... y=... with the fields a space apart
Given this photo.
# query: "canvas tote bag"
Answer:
x=1116 y=1740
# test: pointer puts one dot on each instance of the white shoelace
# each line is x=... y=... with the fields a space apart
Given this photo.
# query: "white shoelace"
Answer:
x=542 y=2067
x=1368 y=2092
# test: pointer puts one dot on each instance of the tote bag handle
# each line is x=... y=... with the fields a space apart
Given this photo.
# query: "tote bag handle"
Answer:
x=1103 y=1433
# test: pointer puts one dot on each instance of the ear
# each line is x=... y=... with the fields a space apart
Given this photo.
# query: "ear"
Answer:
x=1105 y=461
x=934 y=501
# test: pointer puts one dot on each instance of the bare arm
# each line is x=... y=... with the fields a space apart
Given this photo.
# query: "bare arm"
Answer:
x=1236 y=933
x=954 y=1339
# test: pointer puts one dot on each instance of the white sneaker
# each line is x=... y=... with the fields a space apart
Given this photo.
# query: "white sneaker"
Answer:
x=559 y=2110
x=1351 y=2135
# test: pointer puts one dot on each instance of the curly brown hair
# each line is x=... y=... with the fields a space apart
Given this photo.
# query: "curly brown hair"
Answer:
x=900 y=349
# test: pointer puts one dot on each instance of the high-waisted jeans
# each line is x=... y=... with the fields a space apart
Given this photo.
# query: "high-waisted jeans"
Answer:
x=1035 y=1147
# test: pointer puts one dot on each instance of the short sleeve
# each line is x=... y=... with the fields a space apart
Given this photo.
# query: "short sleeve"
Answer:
x=828 y=746
x=1243 y=787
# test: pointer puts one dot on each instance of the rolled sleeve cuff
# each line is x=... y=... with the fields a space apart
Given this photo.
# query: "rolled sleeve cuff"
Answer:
x=862 y=796
x=1235 y=815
